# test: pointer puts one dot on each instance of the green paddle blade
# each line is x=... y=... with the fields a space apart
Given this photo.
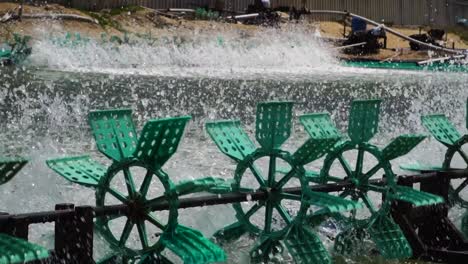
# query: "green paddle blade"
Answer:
x=15 y=250
x=191 y=246
x=389 y=238
x=264 y=248
x=363 y=120
x=464 y=224
x=231 y=232
x=415 y=197
x=331 y=203
x=401 y=146
x=441 y=129
x=159 y=139
x=198 y=185
x=416 y=167
x=82 y=170
x=9 y=168
x=313 y=149
x=273 y=124
x=305 y=246
x=231 y=139
x=114 y=132
x=319 y=125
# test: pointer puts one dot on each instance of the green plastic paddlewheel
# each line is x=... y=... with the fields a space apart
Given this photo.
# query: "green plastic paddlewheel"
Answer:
x=278 y=219
x=360 y=163
x=17 y=50
x=455 y=158
x=12 y=249
x=136 y=178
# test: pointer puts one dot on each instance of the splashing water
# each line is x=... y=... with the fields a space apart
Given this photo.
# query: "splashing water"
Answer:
x=44 y=106
x=215 y=52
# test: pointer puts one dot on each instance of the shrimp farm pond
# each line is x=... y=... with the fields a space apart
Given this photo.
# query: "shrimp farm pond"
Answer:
x=224 y=149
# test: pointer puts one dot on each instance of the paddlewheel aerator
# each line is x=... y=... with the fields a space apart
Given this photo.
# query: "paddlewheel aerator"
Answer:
x=274 y=171
x=12 y=249
x=357 y=161
x=136 y=178
x=455 y=157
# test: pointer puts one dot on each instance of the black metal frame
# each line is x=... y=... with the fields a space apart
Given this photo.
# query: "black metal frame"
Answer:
x=431 y=234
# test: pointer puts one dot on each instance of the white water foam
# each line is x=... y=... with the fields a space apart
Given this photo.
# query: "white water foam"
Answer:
x=277 y=49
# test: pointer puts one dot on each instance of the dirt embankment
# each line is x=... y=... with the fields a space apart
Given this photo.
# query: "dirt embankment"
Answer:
x=146 y=22
x=133 y=20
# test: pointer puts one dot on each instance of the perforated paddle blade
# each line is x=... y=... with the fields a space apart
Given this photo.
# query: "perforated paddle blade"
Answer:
x=305 y=246
x=363 y=120
x=15 y=250
x=415 y=197
x=9 y=168
x=82 y=170
x=264 y=248
x=331 y=203
x=231 y=232
x=389 y=238
x=464 y=224
x=114 y=132
x=273 y=124
x=199 y=185
x=313 y=149
x=319 y=125
x=191 y=246
x=401 y=146
x=159 y=139
x=231 y=139
x=441 y=129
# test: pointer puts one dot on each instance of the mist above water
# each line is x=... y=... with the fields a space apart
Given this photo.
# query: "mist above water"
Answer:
x=219 y=50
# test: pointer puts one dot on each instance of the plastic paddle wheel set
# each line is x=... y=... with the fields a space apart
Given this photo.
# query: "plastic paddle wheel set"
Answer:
x=276 y=198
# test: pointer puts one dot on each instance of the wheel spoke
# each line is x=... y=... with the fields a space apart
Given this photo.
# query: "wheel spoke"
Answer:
x=367 y=202
x=118 y=195
x=271 y=171
x=463 y=155
x=129 y=182
x=285 y=179
x=146 y=183
x=290 y=196
x=253 y=210
x=257 y=175
x=284 y=214
x=359 y=163
x=461 y=186
x=143 y=234
x=268 y=216
x=345 y=166
x=150 y=218
x=126 y=232
x=372 y=171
